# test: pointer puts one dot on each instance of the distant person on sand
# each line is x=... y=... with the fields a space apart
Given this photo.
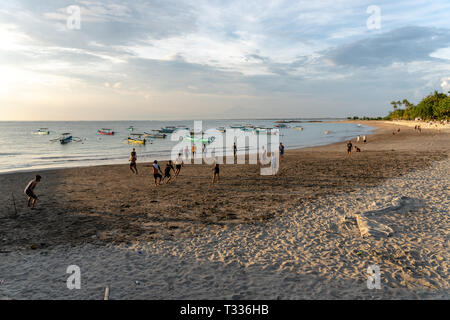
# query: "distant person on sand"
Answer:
x=133 y=158
x=281 y=150
x=178 y=164
x=349 y=148
x=157 y=173
x=216 y=172
x=169 y=166
x=29 y=191
x=234 y=149
x=193 y=151
x=358 y=138
x=364 y=139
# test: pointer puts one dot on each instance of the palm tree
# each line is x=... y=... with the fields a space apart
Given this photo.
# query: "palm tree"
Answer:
x=394 y=104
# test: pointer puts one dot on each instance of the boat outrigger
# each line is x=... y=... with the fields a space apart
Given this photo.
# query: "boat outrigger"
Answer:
x=106 y=132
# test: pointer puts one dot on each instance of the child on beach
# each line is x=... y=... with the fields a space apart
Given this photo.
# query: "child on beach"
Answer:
x=169 y=166
x=157 y=173
x=349 y=148
x=29 y=191
x=133 y=158
x=216 y=171
x=178 y=164
x=281 y=150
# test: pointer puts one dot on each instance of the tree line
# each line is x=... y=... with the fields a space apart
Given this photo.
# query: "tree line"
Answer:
x=434 y=106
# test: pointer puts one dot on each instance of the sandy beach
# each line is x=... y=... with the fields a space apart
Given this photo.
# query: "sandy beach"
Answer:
x=298 y=235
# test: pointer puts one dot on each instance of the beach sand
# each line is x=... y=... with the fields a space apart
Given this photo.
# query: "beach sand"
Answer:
x=292 y=236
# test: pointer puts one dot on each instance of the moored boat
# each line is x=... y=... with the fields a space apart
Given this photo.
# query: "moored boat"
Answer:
x=105 y=131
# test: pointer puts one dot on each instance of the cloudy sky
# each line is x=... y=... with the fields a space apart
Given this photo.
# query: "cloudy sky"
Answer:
x=194 y=59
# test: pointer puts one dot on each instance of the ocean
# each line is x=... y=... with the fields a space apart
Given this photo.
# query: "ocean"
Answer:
x=23 y=150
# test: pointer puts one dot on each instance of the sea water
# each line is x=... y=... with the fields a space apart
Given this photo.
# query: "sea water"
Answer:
x=23 y=150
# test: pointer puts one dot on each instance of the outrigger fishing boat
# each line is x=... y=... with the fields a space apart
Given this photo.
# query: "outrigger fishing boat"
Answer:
x=138 y=140
x=281 y=126
x=42 y=131
x=66 y=138
x=202 y=140
x=131 y=128
x=221 y=129
x=168 y=129
x=106 y=132
x=156 y=134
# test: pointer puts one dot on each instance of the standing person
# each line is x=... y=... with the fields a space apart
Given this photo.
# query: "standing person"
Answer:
x=216 y=172
x=234 y=149
x=281 y=150
x=178 y=164
x=364 y=139
x=133 y=158
x=169 y=166
x=193 y=151
x=349 y=148
x=358 y=138
x=29 y=191
x=157 y=173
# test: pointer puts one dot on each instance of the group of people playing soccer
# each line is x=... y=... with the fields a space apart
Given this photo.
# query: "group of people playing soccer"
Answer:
x=166 y=176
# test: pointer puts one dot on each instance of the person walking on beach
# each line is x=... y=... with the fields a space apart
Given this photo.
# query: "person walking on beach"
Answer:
x=358 y=138
x=133 y=158
x=281 y=150
x=157 y=173
x=349 y=148
x=216 y=172
x=178 y=164
x=364 y=139
x=29 y=191
x=234 y=149
x=193 y=151
x=169 y=166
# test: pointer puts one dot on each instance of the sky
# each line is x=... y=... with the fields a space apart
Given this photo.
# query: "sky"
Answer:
x=195 y=59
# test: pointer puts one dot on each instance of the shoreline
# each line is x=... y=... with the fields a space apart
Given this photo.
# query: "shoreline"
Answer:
x=125 y=161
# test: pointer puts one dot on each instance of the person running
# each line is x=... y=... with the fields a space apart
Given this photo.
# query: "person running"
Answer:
x=178 y=164
x=157 y=173
x=281 y=150
x=29 y=191
x=216 y=172
x=349 y=148
x=169 y=166
x=133 y=158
